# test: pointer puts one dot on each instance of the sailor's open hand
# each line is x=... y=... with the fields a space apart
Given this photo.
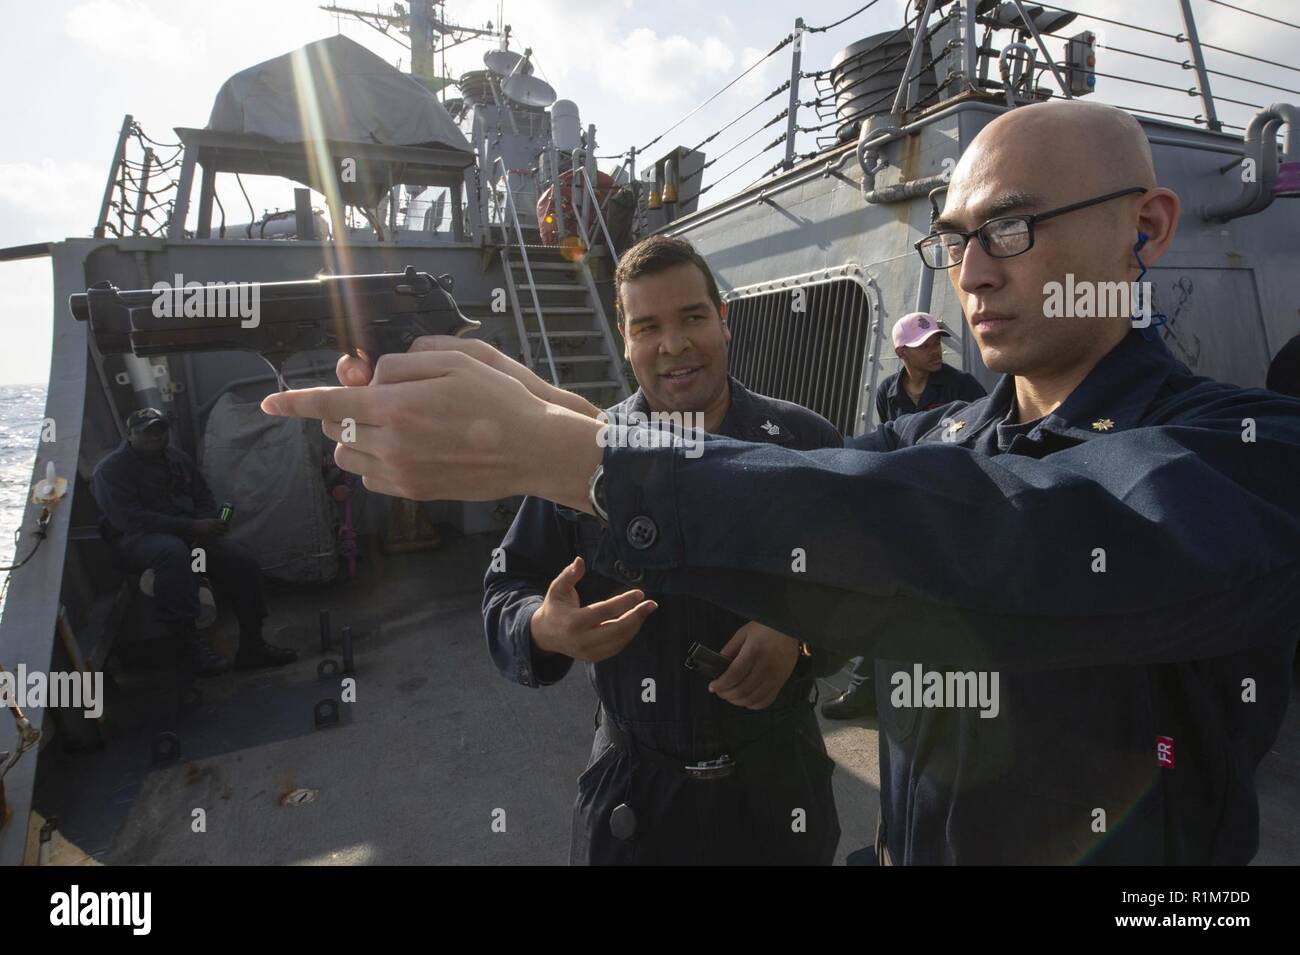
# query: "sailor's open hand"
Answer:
x=762 y=659
x=592 y=633
x=442 y=425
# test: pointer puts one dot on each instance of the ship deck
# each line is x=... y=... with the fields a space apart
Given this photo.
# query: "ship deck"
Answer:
x=435 y=744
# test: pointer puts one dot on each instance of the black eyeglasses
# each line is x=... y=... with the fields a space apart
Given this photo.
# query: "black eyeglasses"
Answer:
x=1002 y=238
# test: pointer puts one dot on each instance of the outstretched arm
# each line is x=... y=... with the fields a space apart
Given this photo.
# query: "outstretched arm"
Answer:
x=927 y=552
x=1157 y=544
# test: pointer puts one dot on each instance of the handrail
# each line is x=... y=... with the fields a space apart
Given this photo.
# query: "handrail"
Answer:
x=528 y=270
x=615 y=362
x=586 y=183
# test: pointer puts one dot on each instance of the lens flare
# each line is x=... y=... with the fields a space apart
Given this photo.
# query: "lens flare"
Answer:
x=572 y=248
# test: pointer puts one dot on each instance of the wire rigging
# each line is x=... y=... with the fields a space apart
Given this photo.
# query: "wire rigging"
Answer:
x=776 y=49
x=832 y=26
x=776 y=92
x=1262 y=16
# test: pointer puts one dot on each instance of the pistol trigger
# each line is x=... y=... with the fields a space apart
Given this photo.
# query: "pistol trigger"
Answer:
x=277 y=366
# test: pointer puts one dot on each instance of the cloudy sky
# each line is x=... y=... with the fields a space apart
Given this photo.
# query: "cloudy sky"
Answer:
x=70 y=69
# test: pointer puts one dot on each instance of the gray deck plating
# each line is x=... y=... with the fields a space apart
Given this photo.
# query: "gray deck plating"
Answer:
x=436 y=742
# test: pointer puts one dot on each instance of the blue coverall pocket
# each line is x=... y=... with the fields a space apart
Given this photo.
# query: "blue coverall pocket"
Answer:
x=603 y=785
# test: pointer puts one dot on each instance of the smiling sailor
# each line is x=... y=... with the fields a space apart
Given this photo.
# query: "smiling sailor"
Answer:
x=724 y=767
x=1121 y=538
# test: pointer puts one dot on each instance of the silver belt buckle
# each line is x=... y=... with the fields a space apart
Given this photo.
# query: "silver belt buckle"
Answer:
x=718 y=768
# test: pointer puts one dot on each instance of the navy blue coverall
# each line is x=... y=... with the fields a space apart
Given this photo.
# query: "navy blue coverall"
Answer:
x=781 y=763
x=1129 y=565
x=149 y=505
x=892 y=401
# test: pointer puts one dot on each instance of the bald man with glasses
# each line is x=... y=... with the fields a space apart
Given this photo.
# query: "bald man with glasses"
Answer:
x=1092 y=666
x=1003 y=236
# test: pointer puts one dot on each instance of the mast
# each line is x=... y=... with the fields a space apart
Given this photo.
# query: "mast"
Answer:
x=423 y=26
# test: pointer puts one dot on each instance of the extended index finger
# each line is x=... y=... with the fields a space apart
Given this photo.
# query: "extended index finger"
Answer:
x=324 y=404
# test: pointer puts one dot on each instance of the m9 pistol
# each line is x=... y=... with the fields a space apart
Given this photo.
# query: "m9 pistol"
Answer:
x=379 y=314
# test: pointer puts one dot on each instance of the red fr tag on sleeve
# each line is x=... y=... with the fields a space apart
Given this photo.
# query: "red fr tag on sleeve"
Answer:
x=1165 y=751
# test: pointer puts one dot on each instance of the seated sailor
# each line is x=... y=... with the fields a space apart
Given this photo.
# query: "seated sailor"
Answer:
x=157 y=507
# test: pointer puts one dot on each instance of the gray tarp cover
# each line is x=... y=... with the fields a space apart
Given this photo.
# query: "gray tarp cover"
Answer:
x=270 y=469
x=360 y=98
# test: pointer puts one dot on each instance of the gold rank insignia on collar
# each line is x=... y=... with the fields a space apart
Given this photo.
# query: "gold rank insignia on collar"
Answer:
x=1103 y=424
x=957 y=425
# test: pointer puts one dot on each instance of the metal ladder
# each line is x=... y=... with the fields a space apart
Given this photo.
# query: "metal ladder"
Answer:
x=564 y=333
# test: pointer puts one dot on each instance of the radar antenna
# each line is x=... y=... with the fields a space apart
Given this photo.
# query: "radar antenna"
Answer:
x=424 y=24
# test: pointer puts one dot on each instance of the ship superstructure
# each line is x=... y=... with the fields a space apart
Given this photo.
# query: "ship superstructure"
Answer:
x=500 y=187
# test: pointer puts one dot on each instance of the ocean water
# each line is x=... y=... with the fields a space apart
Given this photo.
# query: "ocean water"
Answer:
x=22 y=408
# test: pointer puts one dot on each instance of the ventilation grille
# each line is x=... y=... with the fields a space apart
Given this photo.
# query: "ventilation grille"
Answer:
x=813 y=357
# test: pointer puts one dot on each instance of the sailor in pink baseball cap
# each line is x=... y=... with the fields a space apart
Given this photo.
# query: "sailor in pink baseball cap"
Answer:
x=924 y=381
x=917 y=328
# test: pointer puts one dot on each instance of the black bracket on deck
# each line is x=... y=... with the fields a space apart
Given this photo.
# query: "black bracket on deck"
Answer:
x=326 y=713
